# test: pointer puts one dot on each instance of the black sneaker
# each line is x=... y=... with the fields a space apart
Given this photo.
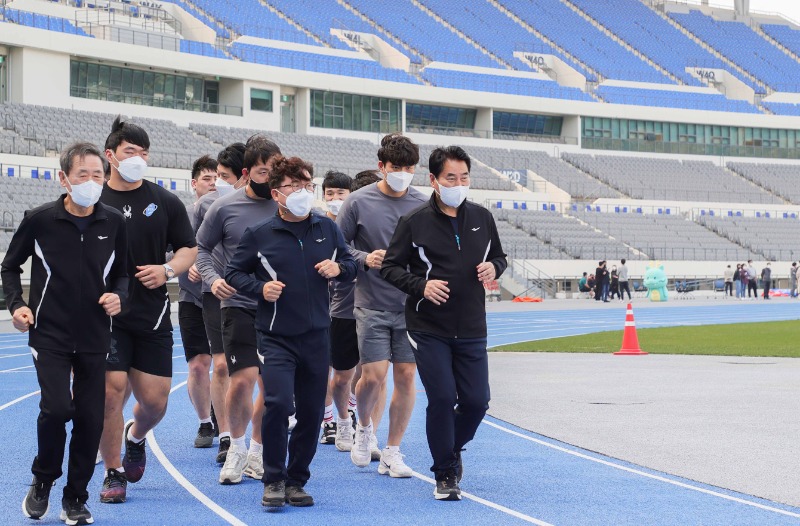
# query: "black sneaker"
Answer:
x=114 y=489
x=328 y=433
x=224 y=446
x=205 y=435
x=135 y=459
x=37 y=501
x=75 y=512
x=214 y=421
x=274 y=494
x=297 y=496
x=447 y=487
x=459 y=466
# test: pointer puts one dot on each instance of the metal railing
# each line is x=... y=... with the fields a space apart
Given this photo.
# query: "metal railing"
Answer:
x=538 y=283
x=155 y=101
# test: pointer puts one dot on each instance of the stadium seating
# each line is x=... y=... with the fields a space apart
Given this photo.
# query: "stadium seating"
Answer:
x=780 y=179
x=493 y=30
x=766 y=238
x=50 y=23
x=782 y=108
x=350 y=67
x=664 y=237
x=590 y=45
x=252 y=18
x=423 y=33
x=785 y=35
x=219 y=29
x=201 y=48
x=673 y=99
x=447 y=78
x=746 y=48
x=667 y=179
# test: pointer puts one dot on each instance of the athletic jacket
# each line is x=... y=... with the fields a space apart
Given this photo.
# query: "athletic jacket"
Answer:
x=270 y=251
x=425 y=246
x=69 y=273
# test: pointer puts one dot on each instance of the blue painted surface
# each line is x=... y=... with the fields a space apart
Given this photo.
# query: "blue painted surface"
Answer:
x=532 y=476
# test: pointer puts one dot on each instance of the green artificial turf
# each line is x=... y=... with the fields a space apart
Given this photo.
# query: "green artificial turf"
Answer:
x=780 y=338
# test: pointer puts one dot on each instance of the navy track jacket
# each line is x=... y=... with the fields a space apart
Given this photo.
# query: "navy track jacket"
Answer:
x=69 y=273
x=426 y=246
x=270 y=251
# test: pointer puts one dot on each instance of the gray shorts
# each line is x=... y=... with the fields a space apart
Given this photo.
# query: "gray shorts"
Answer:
x=382 y=336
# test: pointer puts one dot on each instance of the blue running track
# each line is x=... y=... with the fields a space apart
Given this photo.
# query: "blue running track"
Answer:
x=512 y=476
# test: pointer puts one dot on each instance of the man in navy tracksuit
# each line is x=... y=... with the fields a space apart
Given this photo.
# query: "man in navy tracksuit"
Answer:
x=286 y=261
x=440 y=255
x=78 y=279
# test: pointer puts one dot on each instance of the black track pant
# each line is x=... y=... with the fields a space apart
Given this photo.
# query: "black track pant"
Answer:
x=84 y=404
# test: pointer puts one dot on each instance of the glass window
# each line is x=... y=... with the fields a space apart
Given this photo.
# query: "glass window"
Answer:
x=260 y=99
x=346 y=111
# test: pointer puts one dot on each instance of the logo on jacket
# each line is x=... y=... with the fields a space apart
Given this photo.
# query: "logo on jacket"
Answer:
x=476 y=229
x=320 y=240
x=127 y=211
x=150 y=210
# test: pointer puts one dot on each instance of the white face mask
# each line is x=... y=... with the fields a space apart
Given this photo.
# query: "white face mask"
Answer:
x=399 y=181
x=453 y=195
x=223 y=188
x=85 y=194
x=132 y=169
x=299 y=203
x=334 y=206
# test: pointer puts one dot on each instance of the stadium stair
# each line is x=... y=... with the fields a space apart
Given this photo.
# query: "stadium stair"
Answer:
x=613 y=36
x=295 y=24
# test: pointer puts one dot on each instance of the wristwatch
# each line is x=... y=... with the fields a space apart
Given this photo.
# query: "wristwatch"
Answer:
x=169 y=271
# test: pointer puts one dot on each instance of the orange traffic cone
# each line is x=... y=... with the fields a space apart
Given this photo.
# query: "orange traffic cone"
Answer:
x=630 y=341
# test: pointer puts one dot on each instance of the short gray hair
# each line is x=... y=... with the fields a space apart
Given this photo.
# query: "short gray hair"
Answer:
x=78 y=150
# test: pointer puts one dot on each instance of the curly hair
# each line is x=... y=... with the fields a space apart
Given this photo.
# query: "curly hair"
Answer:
x=294 y=168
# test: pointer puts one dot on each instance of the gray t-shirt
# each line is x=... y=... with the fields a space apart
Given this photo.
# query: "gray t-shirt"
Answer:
x=189 y=291
x=200 y=208
x=623 y=273
x=223 y=226
x=342 y=298
x=367 y=220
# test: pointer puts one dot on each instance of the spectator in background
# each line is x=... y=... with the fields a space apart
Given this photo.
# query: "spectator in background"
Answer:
x=583 y=285
x=737 y=280
x=591 y=282
x=766 y=280
x=614 y=289
x=752 y=279
x=728 y=277
x=743 y=279
x=601 y=282
x=623 y=281
x=793 y=280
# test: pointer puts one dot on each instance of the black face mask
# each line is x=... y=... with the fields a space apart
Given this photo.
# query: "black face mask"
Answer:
x=262 y=190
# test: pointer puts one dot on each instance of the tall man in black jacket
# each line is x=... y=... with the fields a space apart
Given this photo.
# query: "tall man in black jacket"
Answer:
x=78 y=279
x=440 y=255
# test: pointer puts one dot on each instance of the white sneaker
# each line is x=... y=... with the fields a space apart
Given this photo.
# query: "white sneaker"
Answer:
x=255 y=466
x=292 y=422
x=344 y=434
x=99 y=458
x=374 y=449
x=360 y=452
x=393 y=465
x=232 y=470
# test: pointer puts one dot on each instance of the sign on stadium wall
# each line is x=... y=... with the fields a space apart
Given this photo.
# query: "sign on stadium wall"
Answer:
x=518 y=176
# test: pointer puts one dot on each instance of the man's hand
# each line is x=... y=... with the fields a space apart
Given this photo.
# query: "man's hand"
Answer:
x=110 y=303
x=151 y=276
x=375 y=259
x=194 y=275
x=328 y=269
x=486 y=272
x=22 y=319
x=272 y=290
x=222 y=290
x=436 y=291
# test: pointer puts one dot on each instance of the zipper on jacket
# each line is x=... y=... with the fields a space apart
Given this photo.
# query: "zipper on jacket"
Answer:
x=458 y=242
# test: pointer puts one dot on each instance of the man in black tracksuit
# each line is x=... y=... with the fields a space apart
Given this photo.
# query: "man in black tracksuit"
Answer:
x=440 y=255
x=286 y=261
x=78 y=279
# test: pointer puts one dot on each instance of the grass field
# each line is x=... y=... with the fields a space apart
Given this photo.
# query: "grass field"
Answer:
x=781 y=338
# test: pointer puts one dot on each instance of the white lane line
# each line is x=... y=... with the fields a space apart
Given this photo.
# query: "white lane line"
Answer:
x=20 y=399
x=17 y=369
x=188 y=486
x=14 y=355
x=20 y=346
x=470 y=496
x=644 y=473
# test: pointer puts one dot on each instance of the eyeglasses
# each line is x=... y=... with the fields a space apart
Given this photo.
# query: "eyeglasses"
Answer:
x=297 y=186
